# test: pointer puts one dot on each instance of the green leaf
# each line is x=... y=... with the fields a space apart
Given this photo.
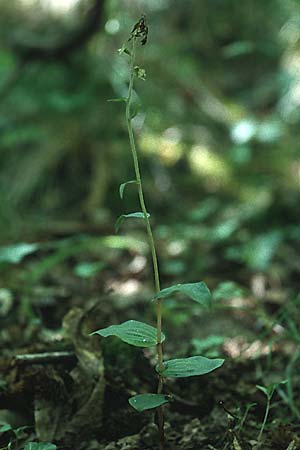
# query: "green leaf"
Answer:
x=15 y=253
x=40 y=446
x=227 y=290
x=208 y=346
x=142 y=402
x=262 y=389
x=189 y=367
x=120 y=220
x=132 y=332
x=123 y=185
x=259 y=253
x=270 y=389
x=238 y=48
x=198 y=292
x=88 y=269
x=5 y=427
x=118 y=99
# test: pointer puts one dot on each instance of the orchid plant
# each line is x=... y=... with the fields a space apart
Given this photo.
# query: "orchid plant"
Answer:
x=138 y=333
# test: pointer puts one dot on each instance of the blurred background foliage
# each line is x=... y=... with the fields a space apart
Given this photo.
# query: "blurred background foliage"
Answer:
x=217 y=130
x=217 y=127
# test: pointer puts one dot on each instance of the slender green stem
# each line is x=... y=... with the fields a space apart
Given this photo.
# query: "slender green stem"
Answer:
x=150 y=237
x=265 y=420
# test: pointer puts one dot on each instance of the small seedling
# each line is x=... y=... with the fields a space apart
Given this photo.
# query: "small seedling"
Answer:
x=236 y=421
x=268 y=391
x=138 y=333
x=245 y=415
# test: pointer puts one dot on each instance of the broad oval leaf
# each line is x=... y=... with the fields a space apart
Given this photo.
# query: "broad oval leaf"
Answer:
x=189 y=367
x=142 y=402
x=136 y=215
x=198 y=292
x=123 y=185
x=132 y=332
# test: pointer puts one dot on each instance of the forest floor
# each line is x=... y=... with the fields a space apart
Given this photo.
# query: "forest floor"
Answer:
x=58 y=384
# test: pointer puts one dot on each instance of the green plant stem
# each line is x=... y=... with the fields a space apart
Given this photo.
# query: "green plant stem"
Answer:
x=150 y=237
x=265 y=420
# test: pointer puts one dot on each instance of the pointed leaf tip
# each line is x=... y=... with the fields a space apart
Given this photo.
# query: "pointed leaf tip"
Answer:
x=189 y=367
x=132 y=332
x=117 y=99
x=198 y=292
x=136 y=215
x=143 y=402
x=123 y=185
